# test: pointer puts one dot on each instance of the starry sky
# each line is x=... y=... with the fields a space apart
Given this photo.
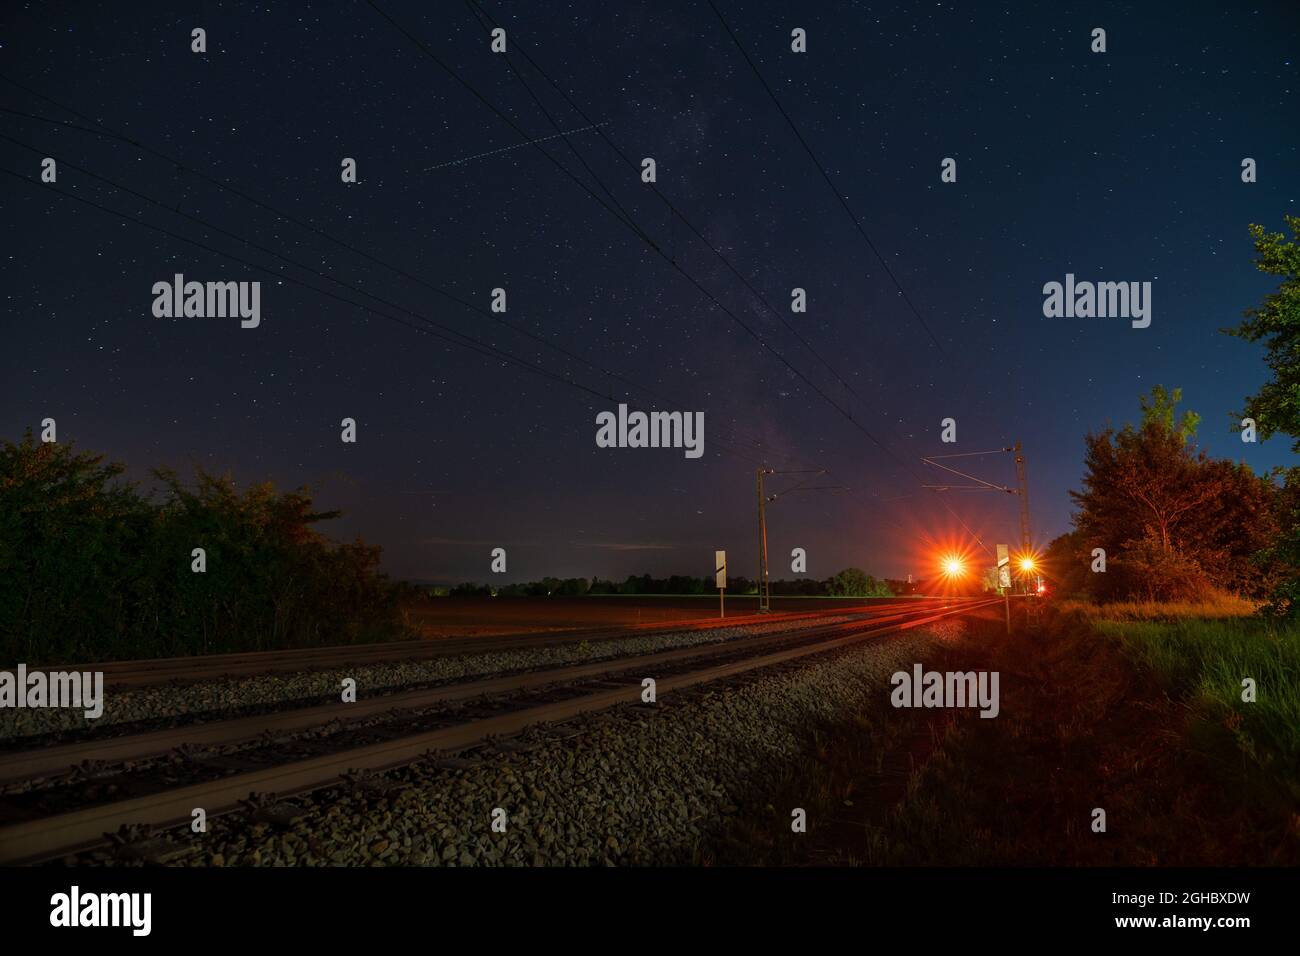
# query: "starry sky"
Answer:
x=477 y=430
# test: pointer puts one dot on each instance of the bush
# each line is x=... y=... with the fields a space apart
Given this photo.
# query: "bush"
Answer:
x=854 y=582
x=91 y=569
x=1147 y=571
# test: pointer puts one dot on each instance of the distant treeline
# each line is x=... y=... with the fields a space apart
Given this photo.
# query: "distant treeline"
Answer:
x=92 y=568
x=851 y=582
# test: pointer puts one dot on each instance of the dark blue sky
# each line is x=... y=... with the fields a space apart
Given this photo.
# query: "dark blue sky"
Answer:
x=1123 y=166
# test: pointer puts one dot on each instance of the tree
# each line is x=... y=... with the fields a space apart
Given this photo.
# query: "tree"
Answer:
x=854 y=582
x=1276 y=406
x=850 y=582
x=1149 y=494
x=92 y=569
x=1276 y=323
x=1159 y=409
x=1066 y=564
x=1142 y=480
x=1283 y=556
x=71 y=532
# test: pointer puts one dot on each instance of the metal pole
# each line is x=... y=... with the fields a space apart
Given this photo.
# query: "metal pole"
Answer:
x=1006 y=596
x=722 y=604
x=764 y=597
x=1025 y=542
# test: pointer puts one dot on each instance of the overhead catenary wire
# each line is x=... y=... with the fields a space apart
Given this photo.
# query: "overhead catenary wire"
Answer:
x=462 y=341
x=109 y=133
x=185 y=167
x=477 y=9
x=467 y=342
x=857 y=223
x=424 y=48
x=293 y=220
x=848 y=208
x=674 y=212
x=104 y=130
x=221 y=184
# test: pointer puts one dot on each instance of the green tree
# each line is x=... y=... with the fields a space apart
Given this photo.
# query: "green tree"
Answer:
x=1066 y=564
x=1276 y=406
x=1167 y=514
x=854 y=582
x=71 y=531
x=91 y=569
x=1276 y=323
x=1159 y=407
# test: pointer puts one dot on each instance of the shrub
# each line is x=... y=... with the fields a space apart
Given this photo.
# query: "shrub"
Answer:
x=1148 y=571
x=91 y=568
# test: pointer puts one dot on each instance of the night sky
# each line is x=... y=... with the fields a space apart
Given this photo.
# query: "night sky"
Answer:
x=1122 y=166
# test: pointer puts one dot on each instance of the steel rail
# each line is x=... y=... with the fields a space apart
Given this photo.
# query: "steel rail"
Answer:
x=36 y=840
x=44 y=761
x=246 y=663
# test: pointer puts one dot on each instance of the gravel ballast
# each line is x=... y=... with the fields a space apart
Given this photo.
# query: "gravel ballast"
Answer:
x=639 y=785
x=233 y=695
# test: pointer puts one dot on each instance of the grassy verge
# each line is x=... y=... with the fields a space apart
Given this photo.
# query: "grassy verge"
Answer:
x=1220 y=607
x=1142 y=720
x=1203 y=664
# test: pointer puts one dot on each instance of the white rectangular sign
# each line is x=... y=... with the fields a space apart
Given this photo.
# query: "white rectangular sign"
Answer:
x=720 y=568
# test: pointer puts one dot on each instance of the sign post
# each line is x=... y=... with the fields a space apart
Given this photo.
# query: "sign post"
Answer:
x=720 y=578
x=1004 y=580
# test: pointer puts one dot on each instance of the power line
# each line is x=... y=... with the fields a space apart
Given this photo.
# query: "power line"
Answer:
x=109 y=133
x=618 y=214
x=207 y=225
x=826 y=176
x=469 y=343
x=857 y=223
x=488 y=351
x=477 y=9
x=675 y=213
x=640 y=234
x=220 y=184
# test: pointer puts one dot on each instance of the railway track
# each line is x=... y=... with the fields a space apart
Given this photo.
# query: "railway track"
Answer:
x=137 y=673
x=408 y=727
x=45 y=760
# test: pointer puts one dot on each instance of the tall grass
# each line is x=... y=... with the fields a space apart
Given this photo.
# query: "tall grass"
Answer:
x=1204 y=663
x=1216 y=606
x=1095 y=711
